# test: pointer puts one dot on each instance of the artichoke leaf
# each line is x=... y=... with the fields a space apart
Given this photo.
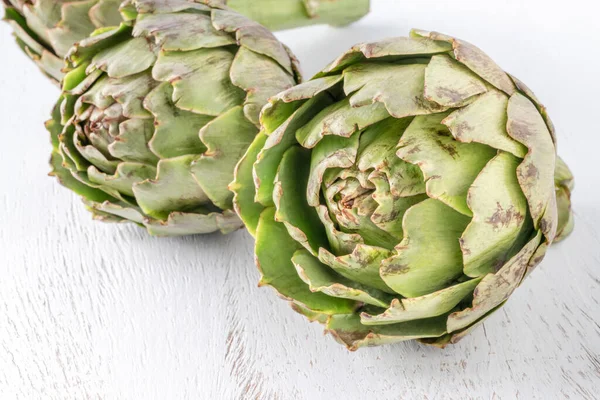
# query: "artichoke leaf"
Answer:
x=457 y=336
x=126 y=175
x=484 y=121
x=173 y=189
x=311 y=315
x=29 y=32
x=536 y=172
x=339 y=119
x=449 y=83
x=500 y=222
x=475 y=59
x=293 y=209
x=331 y=152
x=283 y=104
x=563 y=175
x=113 y=211
x=449 y=167
x=105 y=13
x=75 y=24
x=348 y=330
x=130 y=92
x=274 y=260
x=260 y=77
x=95 y=95
x=320 y=278
x=214 y=169
x=494 y=289
x=132 y=142
x=392 y=49
x=243 y=188
x=181 y=223
x=253 y=36
x=428 y=306
x=566 y=220
x=85 y=50
x=537 y=258
x=339 y=242
x=200 y=79
x=182 y=31
x=429 y=258
x=541 y=108
x=399 y=87
x=361 y=266
x=127 y=58
x=67 y=179
x=176 y=132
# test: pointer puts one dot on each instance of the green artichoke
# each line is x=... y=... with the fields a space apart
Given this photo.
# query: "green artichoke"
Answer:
x=404 y=192
x=155 y=113
x=47 y=29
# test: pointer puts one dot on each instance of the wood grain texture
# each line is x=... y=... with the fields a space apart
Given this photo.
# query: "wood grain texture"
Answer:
x=96 y=311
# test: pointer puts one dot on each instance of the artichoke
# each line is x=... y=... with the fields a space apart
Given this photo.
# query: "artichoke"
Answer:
x=47 y=29
x=155 y=113
x=404 y=192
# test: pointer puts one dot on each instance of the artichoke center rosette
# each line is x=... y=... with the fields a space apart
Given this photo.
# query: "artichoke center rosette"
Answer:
x=155 y=113
x=404 y=192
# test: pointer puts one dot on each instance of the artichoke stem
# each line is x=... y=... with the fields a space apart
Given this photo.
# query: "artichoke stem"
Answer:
x=287 y=14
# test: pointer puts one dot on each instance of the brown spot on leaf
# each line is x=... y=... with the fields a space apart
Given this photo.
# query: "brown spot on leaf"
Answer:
x=462 y=128
x=465 y=250
x=414 y=150
x=531 y=172
x=422 y=102
x=498 y=264
x=520 y=130
x=503 y=218
x=448 y=148
x=349 y=338
x=446 y=93
x=546 y=225
x=396 y=269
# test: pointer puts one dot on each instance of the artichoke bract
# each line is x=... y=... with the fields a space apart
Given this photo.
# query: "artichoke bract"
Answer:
x=155 y=113
x=404 y=192
x=47 y=29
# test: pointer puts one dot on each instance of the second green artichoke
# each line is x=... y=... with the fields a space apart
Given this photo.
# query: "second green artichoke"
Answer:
x=405 y=192
x=155 y=113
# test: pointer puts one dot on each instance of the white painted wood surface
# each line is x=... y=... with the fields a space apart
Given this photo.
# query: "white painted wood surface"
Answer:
x=98 y=311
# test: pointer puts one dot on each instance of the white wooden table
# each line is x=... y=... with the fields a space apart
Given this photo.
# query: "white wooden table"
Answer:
x=98 y=311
